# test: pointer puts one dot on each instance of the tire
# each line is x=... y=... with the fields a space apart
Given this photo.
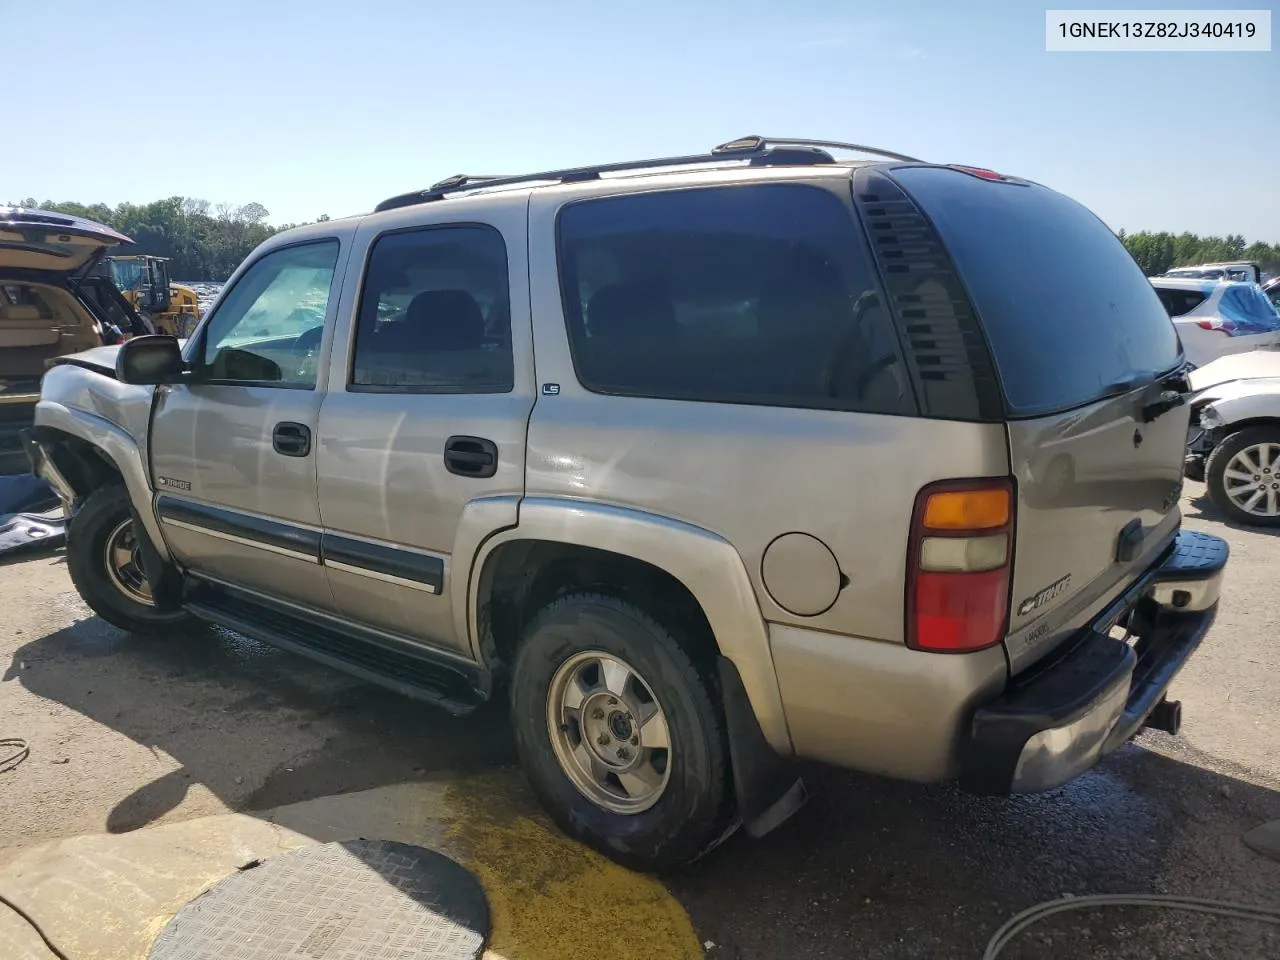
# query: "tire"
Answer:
x=1251 y=443
x=107 y=517
x=1193 y=469
x=693 y=808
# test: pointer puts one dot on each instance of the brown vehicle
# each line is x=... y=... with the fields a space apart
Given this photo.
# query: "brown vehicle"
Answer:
x=49 y=308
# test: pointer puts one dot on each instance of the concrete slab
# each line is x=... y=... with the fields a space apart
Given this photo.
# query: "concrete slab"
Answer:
x=1265 y=839
x=107 y=896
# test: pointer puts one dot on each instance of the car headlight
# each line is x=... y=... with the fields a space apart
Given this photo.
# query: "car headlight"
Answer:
x=1210 y=418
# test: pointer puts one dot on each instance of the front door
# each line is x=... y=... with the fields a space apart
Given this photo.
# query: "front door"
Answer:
x=232 y=452
x=422 y=435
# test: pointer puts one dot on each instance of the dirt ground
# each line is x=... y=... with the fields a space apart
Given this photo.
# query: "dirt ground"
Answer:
x=126 y=733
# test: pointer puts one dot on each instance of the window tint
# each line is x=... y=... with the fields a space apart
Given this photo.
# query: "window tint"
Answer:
x=1178 y=302
x=435 y=315
x=268 y=327
x=1066 y=310
x=760 y=294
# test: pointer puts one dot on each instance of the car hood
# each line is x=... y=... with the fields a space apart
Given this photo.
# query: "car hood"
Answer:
x=52 y=243
x=1252 y=364
x=98 y=359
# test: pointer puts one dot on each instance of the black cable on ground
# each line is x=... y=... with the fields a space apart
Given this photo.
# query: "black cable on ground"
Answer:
x=34 y=926
x=21 y=752
x=1040 y=911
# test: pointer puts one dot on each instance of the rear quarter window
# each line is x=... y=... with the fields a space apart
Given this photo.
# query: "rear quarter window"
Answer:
x=1180 y=302
x=1065 y=309
x=761 y=294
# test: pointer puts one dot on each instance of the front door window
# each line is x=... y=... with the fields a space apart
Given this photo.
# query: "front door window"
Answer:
x=267 y=329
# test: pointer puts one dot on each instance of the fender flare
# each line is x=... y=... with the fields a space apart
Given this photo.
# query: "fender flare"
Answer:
x=119 y=448
x=707 y=564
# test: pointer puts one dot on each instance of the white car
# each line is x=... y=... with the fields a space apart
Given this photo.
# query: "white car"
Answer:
x=1216 y=318
x=1234 y=440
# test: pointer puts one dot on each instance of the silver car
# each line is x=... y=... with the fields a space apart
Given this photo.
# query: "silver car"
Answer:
x=711 y=464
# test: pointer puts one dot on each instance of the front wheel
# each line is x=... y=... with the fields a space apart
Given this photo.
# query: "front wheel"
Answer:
x=1243 y=476
x=618 y=733
x=105 y=562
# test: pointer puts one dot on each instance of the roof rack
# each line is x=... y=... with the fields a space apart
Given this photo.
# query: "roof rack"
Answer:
x=759 y=151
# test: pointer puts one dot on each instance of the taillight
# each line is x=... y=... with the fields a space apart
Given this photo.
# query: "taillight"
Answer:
x=958 y=565
x=1208 y=325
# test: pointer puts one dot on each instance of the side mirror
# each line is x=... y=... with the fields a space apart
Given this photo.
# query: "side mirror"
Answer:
x=151 y=359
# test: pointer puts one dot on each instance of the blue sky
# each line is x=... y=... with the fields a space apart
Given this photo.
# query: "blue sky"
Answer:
x=328 y=107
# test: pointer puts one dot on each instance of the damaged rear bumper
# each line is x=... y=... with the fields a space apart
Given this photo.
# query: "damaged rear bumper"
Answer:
x=1057 y=721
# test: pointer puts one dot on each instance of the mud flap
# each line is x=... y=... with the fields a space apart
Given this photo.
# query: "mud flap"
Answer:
x=768 y=787
x=164 y=579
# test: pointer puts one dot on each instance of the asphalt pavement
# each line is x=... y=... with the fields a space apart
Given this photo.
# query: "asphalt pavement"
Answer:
x=128 y=734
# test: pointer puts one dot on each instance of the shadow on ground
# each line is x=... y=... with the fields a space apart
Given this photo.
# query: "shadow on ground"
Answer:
x=871 y=868
x=256 y=726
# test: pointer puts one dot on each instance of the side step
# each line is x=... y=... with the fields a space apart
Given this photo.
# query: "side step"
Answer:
x=398 y=664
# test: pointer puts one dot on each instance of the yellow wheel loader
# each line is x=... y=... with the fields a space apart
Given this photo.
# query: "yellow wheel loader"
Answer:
x=144 y=281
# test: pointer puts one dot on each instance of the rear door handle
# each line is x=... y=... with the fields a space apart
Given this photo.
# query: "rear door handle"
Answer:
x=471 y=457
x=291 y=439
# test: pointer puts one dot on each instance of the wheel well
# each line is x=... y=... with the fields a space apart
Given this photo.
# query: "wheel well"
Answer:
x=1235 y=426
x=521 y=577
x=85 y=466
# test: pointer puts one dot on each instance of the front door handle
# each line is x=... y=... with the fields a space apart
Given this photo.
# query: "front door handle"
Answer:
x=291 y=439
x=471 y=457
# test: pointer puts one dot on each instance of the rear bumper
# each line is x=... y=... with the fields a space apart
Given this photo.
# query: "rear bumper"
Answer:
x=1057 y=721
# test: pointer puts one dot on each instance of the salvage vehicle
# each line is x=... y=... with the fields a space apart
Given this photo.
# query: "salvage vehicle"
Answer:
x=48 y=308
x=1215 y=318
x=1245 y=270
x=1234 y=444
x=711 y=463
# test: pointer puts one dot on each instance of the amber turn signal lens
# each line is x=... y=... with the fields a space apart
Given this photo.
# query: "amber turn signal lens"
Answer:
x=967 y=510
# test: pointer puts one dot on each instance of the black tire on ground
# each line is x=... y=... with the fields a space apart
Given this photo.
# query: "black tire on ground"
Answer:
x=1193 y=468
x=87 y=535
x=1216 y=467
x=695 y=809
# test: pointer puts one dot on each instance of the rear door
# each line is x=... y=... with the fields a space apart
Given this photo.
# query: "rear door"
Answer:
x=421 y=446
x=1081 y=343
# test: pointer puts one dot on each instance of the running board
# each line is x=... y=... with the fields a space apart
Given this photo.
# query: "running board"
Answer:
x=399 y=664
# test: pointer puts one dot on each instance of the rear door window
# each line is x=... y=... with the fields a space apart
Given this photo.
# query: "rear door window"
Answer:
x=758 y=294
x=1180 y=302
x=1066 y=310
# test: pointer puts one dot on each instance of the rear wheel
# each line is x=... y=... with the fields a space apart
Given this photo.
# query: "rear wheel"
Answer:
x=104 y=559
x=618 y=733
x=1243 y=476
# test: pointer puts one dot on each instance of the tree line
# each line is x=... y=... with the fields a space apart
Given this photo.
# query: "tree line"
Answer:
x=1157 y=253
x=207 y=242
x=203 y=241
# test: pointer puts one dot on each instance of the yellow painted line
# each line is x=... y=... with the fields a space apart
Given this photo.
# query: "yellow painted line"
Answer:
x=551 y=898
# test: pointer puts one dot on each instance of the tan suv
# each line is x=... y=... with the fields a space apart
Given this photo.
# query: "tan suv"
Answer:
x=713 y=462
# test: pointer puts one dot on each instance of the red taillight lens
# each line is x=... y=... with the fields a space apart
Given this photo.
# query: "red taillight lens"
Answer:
x=959 y=564
x=981 y=172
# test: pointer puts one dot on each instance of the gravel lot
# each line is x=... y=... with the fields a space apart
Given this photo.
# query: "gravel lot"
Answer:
x=125 y=733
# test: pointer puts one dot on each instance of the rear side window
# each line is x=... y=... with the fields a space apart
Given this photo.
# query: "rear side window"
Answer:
x=1179 y=302
x=1066 y=310
x=435 y=316
x=758 y=294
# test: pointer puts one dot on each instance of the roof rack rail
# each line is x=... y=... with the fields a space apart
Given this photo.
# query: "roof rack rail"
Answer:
x=753 y=144
x=759 y=150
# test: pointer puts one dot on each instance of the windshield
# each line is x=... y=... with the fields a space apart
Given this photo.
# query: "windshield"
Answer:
x=127 y=274
x=1066 y=310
